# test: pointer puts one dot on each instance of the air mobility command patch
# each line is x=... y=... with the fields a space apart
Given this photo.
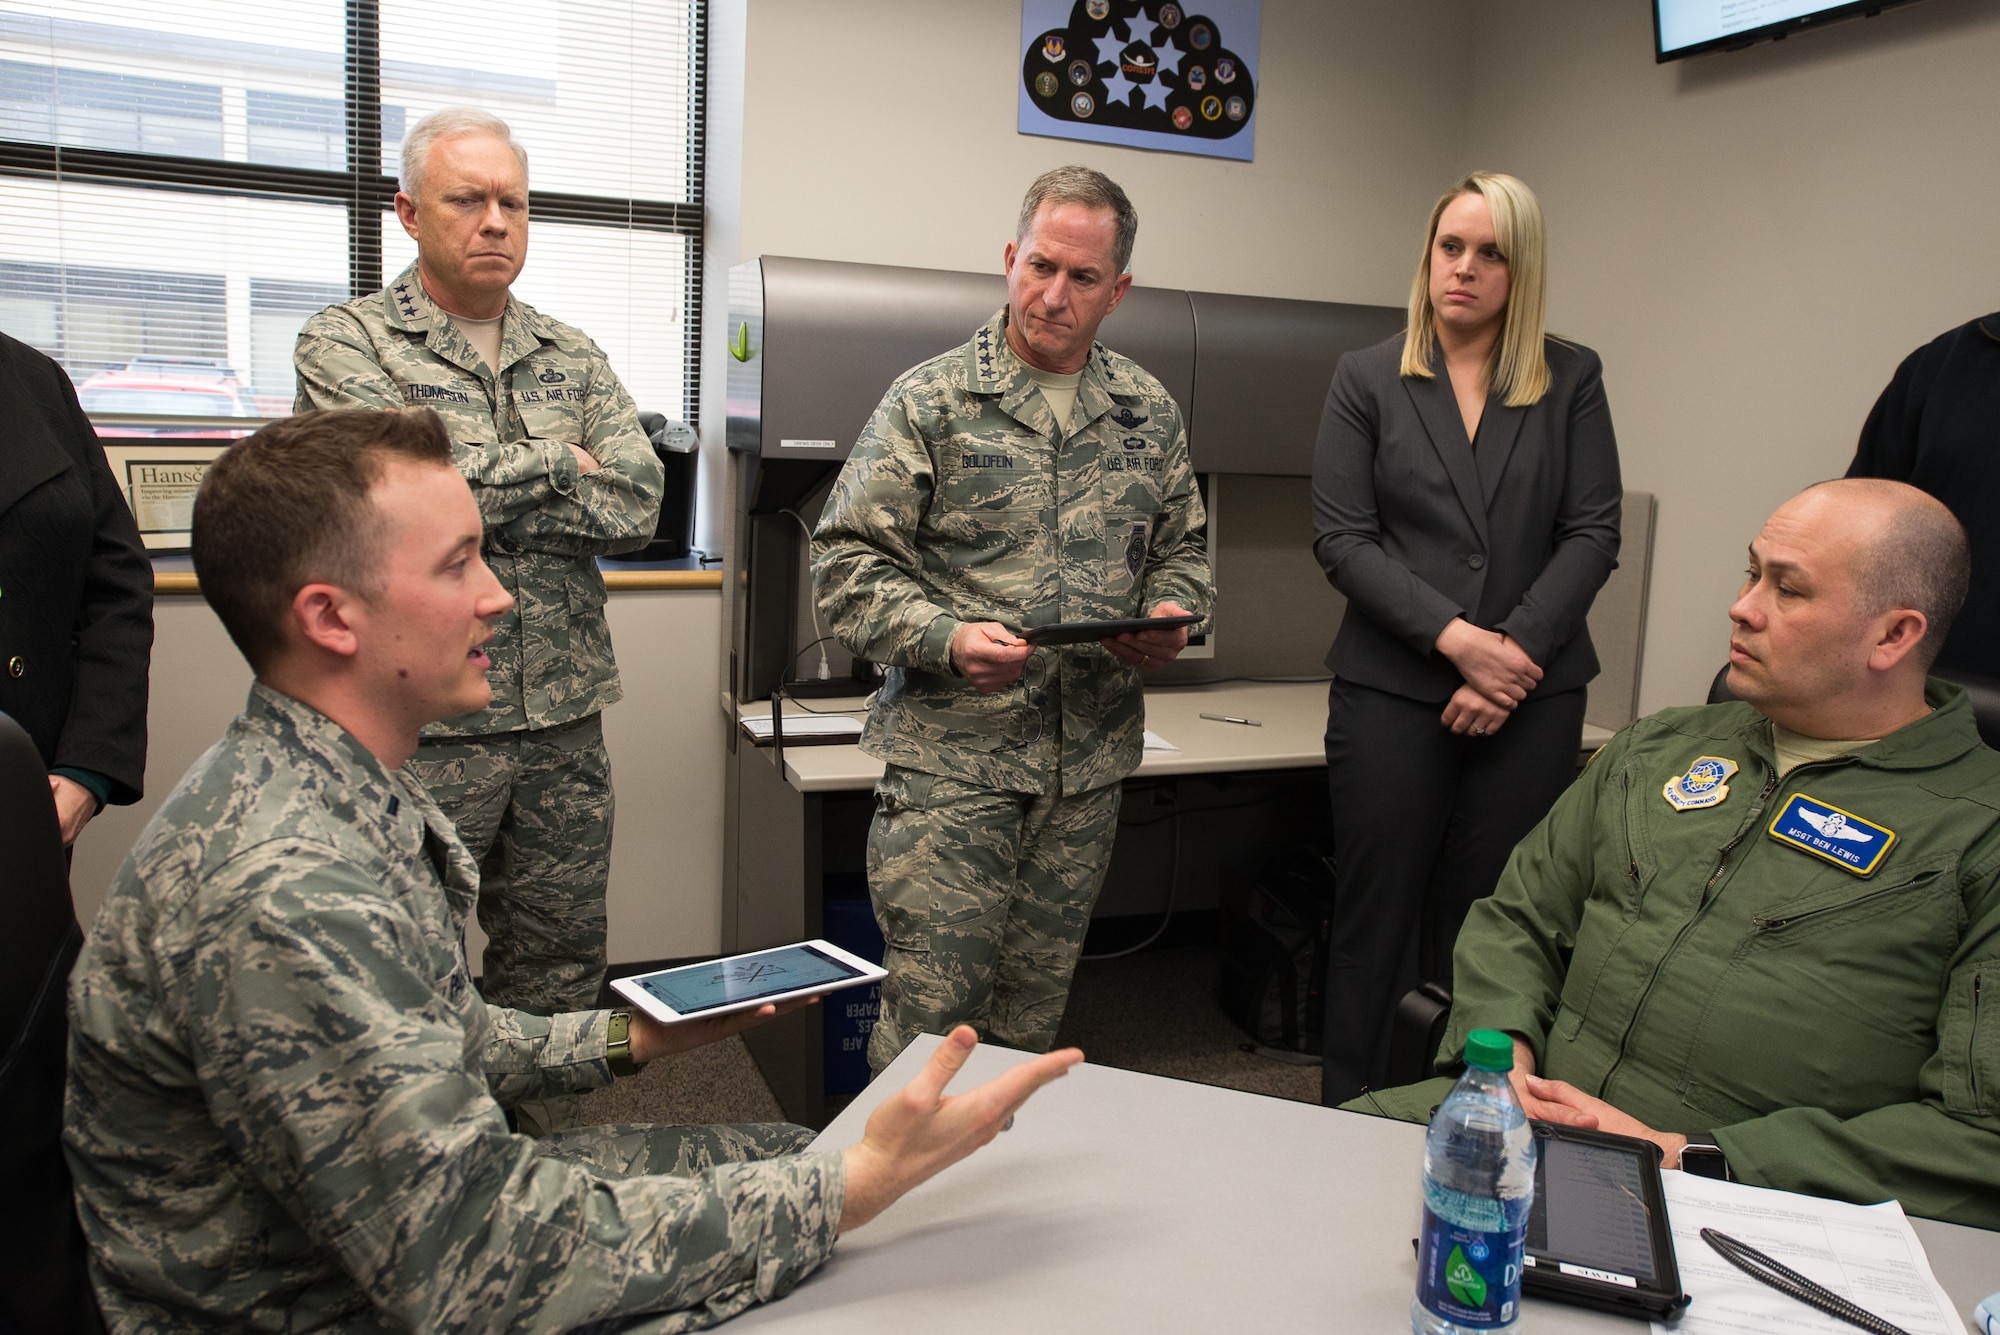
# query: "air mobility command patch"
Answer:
x=1704 y=785
x=1825 y=831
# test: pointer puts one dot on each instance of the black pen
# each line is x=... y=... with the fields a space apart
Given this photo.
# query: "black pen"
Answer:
x=1231 y=718
x=1790 y=1282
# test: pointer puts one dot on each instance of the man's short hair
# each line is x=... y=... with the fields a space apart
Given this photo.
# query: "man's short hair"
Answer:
x=449 y=124
x=1919 y=560
x=1091 y=189
x=290 y=506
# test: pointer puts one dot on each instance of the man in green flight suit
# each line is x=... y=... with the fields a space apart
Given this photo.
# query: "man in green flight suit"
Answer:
x=285 y=1105
x=550 y=442
x=1027 y=478
x=1761 y=934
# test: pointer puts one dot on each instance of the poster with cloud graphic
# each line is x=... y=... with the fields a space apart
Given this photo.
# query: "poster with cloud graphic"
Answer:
x=1143 y=73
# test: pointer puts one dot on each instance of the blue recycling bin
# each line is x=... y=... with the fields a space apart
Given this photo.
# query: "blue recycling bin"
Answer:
x=848 y=1016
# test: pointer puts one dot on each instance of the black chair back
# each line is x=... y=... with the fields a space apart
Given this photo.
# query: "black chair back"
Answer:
x=43 y=1284
x=1415 y=1032
x=1984 y=695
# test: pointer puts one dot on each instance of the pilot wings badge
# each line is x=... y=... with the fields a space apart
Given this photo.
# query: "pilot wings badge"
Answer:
x=1705 y=784
x=1846 y=840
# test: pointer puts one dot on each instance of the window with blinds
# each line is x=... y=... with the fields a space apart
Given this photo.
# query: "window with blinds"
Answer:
x=182 y=186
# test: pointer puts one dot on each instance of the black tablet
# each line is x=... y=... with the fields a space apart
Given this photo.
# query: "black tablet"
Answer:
x=1598 y=1236
x=1080 y=632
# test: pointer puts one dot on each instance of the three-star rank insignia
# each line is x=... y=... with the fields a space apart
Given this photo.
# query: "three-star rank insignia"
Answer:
x=1705 y=784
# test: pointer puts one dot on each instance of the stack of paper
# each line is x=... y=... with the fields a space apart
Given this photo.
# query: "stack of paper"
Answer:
x=1868 y=1254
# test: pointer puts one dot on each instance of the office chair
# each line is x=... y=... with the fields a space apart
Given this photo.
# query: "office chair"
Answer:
x=43 y=1283
x=1983 y=693
x=1415 y=1031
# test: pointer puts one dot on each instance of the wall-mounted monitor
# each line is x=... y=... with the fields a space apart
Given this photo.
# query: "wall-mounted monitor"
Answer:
x=1690 y=27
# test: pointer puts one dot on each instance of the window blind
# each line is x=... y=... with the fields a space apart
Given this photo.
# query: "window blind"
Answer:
x=181 y=187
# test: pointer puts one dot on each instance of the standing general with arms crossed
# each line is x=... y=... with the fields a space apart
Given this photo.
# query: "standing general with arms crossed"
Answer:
x=1026 y=478
x=550 y=442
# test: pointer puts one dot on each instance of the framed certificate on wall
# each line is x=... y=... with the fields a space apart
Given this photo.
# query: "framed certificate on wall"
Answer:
x=160 y=479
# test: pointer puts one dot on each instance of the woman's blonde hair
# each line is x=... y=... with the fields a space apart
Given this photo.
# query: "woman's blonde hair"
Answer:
x=1519 y=370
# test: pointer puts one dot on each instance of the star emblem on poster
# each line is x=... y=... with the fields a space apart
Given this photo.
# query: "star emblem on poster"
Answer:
x=1145 y=73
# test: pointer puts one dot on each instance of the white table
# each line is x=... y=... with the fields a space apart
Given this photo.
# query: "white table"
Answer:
x=1125 y=1202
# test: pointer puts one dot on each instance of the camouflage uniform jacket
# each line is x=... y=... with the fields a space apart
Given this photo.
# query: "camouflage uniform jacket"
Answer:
x=285 y=1095
x=546 y=523
x=965 y=501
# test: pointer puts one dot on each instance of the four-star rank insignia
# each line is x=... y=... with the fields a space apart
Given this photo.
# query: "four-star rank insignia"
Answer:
x=1705 y=784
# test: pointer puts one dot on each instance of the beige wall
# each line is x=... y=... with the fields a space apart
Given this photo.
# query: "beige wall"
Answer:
x=665 y=739
x=1752 y=240
x=883 y=131
x=198 y=683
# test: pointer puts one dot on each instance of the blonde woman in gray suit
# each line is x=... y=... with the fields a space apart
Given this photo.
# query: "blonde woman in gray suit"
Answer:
x=1466 y=501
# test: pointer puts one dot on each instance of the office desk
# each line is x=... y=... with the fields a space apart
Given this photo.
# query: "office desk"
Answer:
x=1127 y=1202
x=1291 y=735
x=784 y=833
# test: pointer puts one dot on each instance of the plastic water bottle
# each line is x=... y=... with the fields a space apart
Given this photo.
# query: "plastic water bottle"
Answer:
x=1479 y=1186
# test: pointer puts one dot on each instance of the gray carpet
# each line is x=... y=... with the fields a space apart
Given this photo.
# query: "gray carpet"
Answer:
x=1149 y=1012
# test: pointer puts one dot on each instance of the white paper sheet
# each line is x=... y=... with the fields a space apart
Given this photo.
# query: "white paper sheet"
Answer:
x=1155 y=742
x=1868 y=1254
x=798 y=724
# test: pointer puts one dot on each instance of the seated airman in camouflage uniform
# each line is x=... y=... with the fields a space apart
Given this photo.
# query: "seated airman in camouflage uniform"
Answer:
x=286 y=1100
x=550 y=442
x=1027 y=478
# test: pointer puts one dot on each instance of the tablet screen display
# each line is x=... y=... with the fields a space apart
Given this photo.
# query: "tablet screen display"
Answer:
x=769 y=973
x=1590 y=1209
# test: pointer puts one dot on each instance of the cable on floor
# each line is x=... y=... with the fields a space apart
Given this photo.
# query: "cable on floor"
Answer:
x=1173 y=890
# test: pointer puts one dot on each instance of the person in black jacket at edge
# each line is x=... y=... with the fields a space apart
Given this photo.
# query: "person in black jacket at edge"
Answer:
x=1937 y=426
x=76 y=643
x=76 y=595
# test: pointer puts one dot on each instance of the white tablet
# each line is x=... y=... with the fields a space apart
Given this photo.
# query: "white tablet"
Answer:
x=744 y=982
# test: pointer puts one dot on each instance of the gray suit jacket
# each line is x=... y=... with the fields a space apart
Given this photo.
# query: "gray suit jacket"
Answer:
x=1416 y=525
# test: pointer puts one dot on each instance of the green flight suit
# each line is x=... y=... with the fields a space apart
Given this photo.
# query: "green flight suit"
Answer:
x=526 y=779
x=1839 y=1034
x=285 y=1106
x=964 y=500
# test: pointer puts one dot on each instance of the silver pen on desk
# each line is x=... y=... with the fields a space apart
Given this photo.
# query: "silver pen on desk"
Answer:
x=1231 y=718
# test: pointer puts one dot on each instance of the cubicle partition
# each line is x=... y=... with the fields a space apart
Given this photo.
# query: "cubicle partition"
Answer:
x=814 y=343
